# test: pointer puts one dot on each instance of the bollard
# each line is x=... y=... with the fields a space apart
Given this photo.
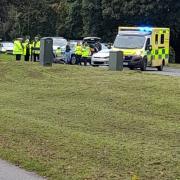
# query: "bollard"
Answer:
x=116 y=60
x=46 y=52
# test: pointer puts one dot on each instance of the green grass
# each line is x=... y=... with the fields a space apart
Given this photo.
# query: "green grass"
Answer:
x=6 y=57
x=69 y=122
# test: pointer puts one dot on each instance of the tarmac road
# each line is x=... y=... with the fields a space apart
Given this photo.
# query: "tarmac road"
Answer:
x=10 y=172
x=167 y=71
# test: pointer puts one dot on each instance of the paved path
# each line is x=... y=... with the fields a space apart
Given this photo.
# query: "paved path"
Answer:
x=10 y=172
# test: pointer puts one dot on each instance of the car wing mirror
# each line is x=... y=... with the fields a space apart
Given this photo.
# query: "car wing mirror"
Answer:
x=149 y=47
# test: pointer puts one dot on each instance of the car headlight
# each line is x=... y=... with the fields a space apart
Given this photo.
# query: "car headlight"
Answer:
x=3 y=50
x=139 y=53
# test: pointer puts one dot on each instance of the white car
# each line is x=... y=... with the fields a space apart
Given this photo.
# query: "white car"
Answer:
x=6 y=47
x=101 y=58
x=58 y=42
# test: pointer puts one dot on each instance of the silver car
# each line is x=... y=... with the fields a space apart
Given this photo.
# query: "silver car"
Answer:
x=101 y=58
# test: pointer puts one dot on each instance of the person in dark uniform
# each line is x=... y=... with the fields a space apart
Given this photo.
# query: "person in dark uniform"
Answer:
x=27 y=50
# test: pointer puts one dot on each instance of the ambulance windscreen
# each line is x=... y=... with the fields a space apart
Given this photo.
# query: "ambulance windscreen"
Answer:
x=129 y=42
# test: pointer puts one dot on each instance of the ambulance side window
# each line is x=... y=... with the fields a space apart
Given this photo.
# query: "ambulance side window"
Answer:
x=148 y=42
x=162 y=38
x=156 y=39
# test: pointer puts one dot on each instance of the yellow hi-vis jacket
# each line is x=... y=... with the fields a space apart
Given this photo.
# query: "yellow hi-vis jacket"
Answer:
x=86 y=51
x=58 y=52
x=26 y=45
x=36 y=47
x=18 y=47
x=78 y=50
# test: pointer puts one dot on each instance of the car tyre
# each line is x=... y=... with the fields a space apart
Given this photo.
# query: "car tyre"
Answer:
x=160 y=68
x=144 y=65
x=131 y=68
x=73 y=60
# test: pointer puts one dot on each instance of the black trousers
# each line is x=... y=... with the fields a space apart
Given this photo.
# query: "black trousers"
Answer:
x=36 y=57
x=26 y=57
x=78 y=59
x=85 y=59
x=18 y=57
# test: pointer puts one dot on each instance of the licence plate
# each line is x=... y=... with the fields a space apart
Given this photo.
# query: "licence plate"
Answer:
x=125 y=63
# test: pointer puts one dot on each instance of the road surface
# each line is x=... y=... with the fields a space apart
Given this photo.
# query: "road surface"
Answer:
x=10 y=172
x=167 y=71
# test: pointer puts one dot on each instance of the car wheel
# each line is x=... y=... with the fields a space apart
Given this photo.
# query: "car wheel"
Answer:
x=73 y=60
x=144 y=65
x=131 y=68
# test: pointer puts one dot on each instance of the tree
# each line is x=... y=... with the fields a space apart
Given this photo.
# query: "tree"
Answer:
x=92 y=17
x=75 y=19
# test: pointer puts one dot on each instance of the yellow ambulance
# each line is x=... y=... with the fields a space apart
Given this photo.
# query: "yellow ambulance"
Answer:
x=143 y=46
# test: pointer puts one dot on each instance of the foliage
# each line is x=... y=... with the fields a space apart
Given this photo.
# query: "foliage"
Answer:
x=75 y=19
x=172 y=55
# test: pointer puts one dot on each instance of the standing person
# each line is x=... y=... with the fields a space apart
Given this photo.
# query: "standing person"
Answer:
x=27 y=49
x=18 y=48
x=68 y=54
x=78 y=52
x=36 y=48
x=98 y=46
x=57 y=55
x=58 y=52
x=85 y=53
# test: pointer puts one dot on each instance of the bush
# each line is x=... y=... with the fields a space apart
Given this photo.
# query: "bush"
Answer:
x=172 y=55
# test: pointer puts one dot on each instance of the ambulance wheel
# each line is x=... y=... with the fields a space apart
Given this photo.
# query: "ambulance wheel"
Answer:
x=131 y=68
x=160 y=68
x=143 y=65
x=73 y=60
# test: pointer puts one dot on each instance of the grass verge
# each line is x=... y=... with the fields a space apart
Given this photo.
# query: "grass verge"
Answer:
x=69 y=122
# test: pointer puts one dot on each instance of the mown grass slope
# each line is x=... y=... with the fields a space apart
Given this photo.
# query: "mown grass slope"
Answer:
x=69 y=122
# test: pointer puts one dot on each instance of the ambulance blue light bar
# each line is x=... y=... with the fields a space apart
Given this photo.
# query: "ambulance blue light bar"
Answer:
x=145 y=29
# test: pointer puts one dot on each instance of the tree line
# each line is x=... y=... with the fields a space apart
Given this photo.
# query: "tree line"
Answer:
x=75 y=19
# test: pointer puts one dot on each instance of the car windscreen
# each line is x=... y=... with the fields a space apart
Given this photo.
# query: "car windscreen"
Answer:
x=104 y=47
x=129 y=42
x=59 y=42
x=72 y=46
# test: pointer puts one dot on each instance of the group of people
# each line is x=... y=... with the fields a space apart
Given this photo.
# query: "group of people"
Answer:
x=30 y=50
x=82 y=53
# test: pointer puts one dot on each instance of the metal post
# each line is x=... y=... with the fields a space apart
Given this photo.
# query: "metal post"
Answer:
x=46 y=52
x=116 y=60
